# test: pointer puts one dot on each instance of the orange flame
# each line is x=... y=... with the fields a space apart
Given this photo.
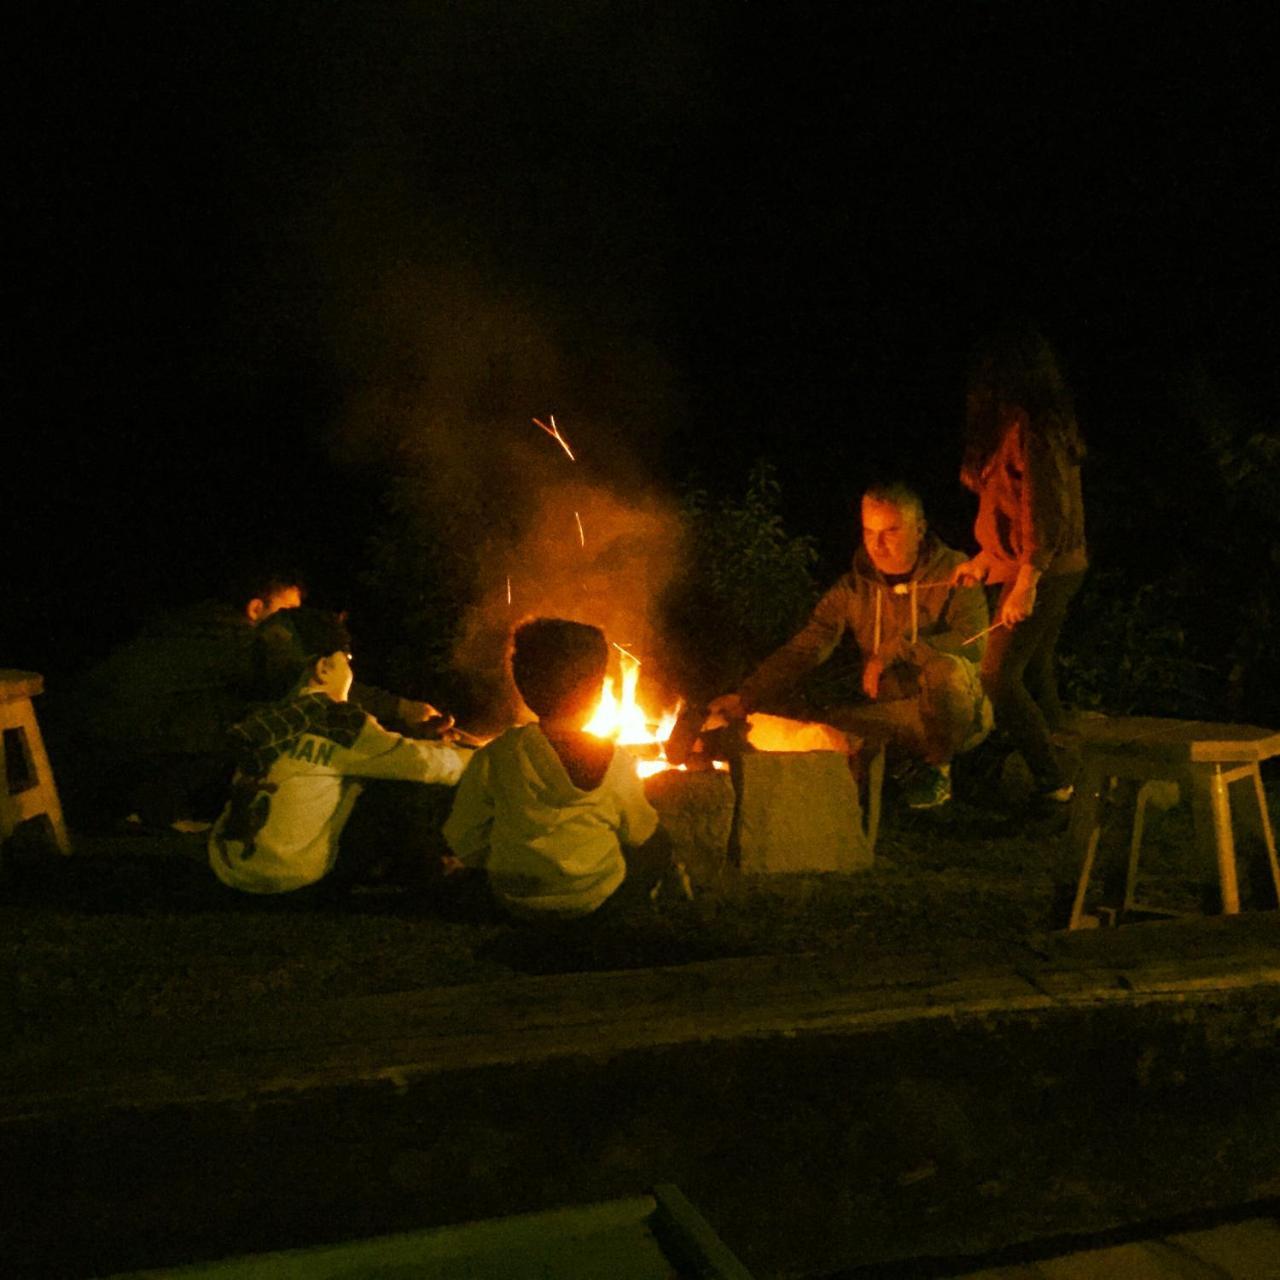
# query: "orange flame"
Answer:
x=619 y=716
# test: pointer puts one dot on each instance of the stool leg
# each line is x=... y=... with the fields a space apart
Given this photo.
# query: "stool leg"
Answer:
x=1083 y=832
x=1135 y=845
x=1224 y=844
x=44 y=791
x=875 y=786
x=1082 y=887
x=1268 y=835
x=1204 y=824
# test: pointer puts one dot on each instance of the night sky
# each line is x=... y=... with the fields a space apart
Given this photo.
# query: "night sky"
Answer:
x=260 y=247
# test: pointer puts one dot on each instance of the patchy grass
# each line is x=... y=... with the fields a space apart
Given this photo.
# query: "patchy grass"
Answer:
x=135 y=928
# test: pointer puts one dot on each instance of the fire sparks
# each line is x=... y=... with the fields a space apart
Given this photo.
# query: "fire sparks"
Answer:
x=582 y=537
x=508 y=590
x=554 y=432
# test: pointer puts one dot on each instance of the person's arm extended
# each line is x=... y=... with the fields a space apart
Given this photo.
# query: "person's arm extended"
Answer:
x=379 y=753
x=391 y=709
x=810 y=647
x=467 y=828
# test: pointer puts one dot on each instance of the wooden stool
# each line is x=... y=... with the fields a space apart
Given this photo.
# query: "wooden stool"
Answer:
x=26 y=781
x=1204 y=759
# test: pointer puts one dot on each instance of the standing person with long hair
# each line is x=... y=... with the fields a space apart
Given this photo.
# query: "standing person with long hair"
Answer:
x=1022 y=458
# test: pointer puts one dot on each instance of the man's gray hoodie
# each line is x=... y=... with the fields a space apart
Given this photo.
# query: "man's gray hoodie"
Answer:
x=891 y=622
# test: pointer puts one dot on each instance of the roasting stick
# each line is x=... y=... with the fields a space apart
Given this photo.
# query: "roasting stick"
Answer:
x=995 y=626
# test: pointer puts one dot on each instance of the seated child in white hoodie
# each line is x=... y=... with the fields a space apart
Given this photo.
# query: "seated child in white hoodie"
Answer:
x=298 y=765
x=547 y=809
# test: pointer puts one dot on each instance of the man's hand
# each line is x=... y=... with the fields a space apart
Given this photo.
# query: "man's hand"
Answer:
x=871 y=674
x=973 y=573
x=729 y=705
x=450 y=865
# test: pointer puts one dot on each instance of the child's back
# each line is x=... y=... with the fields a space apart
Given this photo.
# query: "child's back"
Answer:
x=546 y=807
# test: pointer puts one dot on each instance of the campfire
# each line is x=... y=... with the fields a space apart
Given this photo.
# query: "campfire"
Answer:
x=620 y=717
x=704 y=743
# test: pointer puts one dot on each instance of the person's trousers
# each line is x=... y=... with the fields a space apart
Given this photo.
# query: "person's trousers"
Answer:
x=929 y=713
x=1019 y=673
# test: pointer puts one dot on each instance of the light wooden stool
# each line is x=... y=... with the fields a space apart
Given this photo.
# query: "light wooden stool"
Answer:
x=1204 y=759
x=26 y=781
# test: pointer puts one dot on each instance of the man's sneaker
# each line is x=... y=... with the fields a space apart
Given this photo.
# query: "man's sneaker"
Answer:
x=929 y=788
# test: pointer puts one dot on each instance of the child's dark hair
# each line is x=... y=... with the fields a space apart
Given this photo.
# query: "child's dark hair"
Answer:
x=290 y=641
x=249 y=582
x=553 y=659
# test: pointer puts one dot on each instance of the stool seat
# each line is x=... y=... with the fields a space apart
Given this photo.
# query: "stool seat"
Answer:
x=1154 y=738
x=27 y=789
x=1203 y=756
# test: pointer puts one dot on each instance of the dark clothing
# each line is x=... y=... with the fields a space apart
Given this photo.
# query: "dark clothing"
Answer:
x=1019 y=676
x=145 y=731
x=1031 y=514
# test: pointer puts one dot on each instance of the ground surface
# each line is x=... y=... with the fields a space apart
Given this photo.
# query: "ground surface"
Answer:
x=134 y=928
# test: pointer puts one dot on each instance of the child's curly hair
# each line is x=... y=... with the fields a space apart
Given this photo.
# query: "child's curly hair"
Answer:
x=555 y=661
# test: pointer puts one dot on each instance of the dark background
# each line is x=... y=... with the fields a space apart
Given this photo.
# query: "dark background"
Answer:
x=699 y=233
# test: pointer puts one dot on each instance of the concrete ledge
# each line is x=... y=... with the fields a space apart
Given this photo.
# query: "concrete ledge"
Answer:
x=821 y=1114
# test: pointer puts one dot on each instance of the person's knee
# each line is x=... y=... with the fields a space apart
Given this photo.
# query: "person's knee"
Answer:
x=947 y=673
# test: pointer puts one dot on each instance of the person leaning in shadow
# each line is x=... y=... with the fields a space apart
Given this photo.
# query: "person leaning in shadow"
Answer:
x=142 y=734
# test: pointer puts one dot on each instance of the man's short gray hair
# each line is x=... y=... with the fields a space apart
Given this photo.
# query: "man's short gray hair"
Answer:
x=898 y=494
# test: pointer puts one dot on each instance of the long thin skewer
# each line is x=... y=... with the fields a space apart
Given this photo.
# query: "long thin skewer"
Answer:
x=995 y=626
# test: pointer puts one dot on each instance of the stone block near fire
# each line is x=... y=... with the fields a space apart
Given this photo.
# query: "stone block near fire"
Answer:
x=799 y=811
x=696 y=809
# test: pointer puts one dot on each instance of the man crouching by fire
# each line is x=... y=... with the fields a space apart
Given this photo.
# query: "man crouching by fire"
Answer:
x=919 y=638
x=556 y=817
x=299 y=821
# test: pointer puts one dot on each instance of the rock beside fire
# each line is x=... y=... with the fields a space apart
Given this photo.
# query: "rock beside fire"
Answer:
x=696 y=809
x=798 y=811
x=789 y=811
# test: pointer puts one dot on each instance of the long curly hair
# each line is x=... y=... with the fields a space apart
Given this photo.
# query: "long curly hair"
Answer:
x=1015 y=368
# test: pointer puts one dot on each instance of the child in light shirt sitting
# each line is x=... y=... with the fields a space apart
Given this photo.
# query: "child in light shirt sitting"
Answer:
x=302 y=765
x=557 y=817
